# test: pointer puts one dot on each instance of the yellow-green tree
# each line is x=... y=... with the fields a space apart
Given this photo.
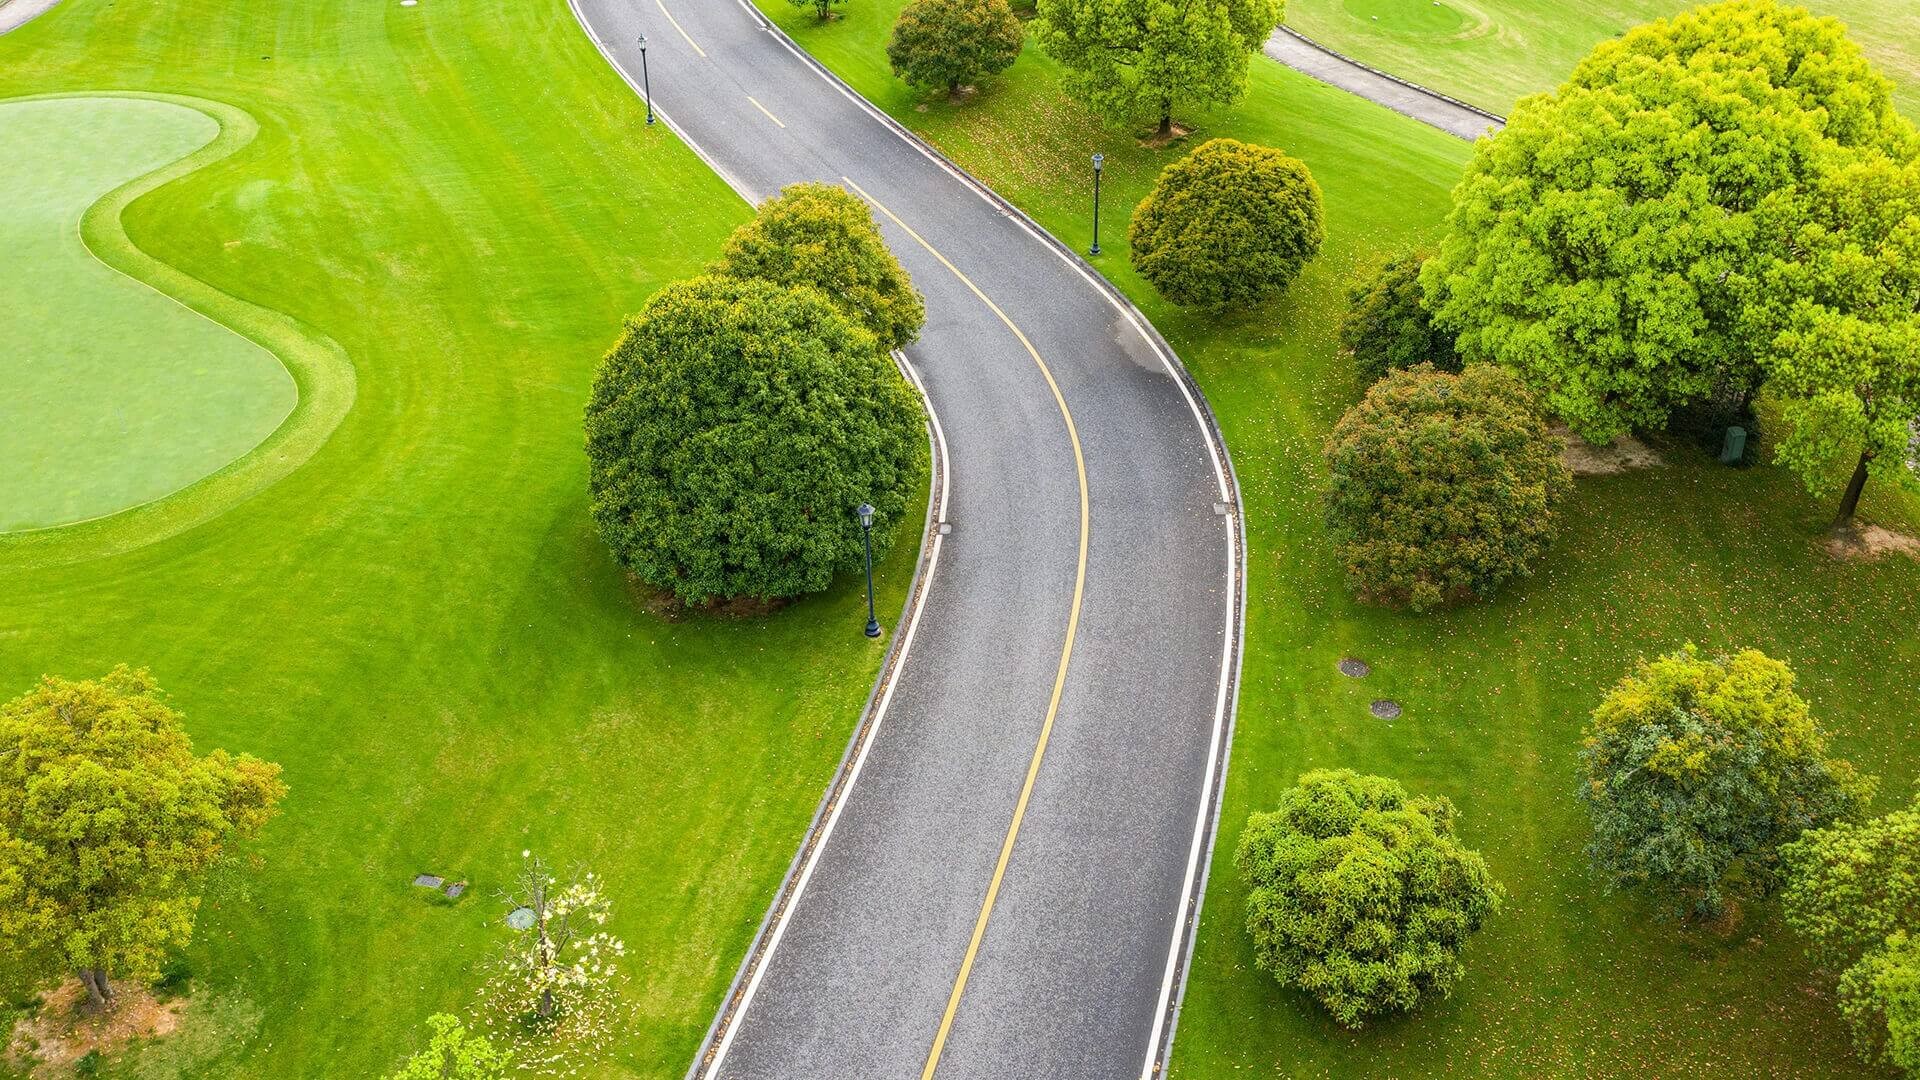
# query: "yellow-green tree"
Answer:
x=1228 y=224
x=1835 y=312
x=1602 y=244
x=452 y=1053
x=109 y=821
x=1133 y=59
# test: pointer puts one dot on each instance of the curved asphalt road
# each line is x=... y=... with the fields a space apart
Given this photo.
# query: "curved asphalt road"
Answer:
x=1309 y=57
x=17 y=13
x=1087 y=595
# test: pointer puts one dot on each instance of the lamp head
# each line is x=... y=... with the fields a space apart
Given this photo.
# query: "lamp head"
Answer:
x=1098 y=160
x=643 y=41
x=866 y=515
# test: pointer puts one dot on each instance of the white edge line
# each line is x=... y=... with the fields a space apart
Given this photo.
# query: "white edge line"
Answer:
x=925 y=586
x=1228 y=652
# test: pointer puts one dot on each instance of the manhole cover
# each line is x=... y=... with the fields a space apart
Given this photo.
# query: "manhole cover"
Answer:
x=1355 y=669
x=521 y=918
x=428 y=881
x=1384 y=709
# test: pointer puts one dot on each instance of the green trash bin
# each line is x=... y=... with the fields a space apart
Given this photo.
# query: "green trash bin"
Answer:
x=1734 y=450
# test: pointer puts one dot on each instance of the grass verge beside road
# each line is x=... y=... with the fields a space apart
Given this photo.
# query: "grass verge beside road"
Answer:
x=1570 y=980
x=420 y=622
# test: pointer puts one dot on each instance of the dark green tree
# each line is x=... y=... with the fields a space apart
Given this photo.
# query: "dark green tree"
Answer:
x=1602 y=244
x=1443 y=486
x=732 y=431
x=1135 y=59
x=820 y=235
x=1228 y=224
x=821 y=8
x=1387 y=326
x=947 y=42
x=1361 y=894
x=1696 y=770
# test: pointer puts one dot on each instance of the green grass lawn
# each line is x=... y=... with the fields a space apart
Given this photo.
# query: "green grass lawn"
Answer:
x=414 y=615
x=148 y=397
x=1493 y=52
x=1569 y=981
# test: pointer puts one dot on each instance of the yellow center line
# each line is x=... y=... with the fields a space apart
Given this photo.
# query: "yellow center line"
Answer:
x=682 y=29
x=770 y=116
x=1066 y=650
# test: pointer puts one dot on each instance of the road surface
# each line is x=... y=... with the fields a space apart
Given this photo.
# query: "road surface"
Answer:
x=1002 y=881
x=1454 y=117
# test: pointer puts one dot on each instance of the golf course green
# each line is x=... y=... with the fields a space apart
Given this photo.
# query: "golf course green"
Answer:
x=113 y=394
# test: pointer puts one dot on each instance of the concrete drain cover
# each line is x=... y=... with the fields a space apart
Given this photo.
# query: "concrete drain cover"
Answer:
x=1385 y=710
x=1355 y=669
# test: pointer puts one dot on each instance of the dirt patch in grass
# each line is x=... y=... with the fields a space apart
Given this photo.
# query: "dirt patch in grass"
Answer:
x=1156 y=140
x=1585 y=459
x=64 y=1030
x=1870 y=542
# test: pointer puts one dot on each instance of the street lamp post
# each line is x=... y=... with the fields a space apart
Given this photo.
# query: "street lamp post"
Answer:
x=1098 y=161
x=866 y=529
x=646 y=84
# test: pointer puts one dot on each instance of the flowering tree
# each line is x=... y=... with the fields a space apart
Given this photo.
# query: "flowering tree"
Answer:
x=554 y=1000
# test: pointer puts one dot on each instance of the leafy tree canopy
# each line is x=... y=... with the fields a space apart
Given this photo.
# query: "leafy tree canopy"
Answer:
x=947 y=42
x=108 y=822
x=1835 y=311
x=1443 y=486
x=1601 y=244
x=1880 y=1000
x=820 y=235
x=821 y=8
x=454 y=1054
x=732 y=431
x=1133 y=59
x=1361 y=895
x=1227 y=224
x=1387 y=326
x=1696 y=770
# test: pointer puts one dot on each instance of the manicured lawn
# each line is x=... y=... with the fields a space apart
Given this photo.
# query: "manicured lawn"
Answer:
x=84 y=431
x=1493 y=52
x=418 y=620
x=1569 y=980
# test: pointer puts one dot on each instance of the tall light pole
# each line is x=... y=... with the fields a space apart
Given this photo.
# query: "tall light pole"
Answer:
x=866 y=529
x=1098 y=161
x=646 y=84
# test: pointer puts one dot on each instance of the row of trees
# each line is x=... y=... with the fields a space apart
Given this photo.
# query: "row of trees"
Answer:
x=744 y=413
x=1707 y=783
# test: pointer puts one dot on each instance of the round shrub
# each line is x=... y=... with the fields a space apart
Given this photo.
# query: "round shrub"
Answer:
x=820 y=235
x=1444 y=486
x=1228 y=224
x=1361 y=895
x=732 y=431
x=1695 y=772
x=1387 y=326
x=947 y=42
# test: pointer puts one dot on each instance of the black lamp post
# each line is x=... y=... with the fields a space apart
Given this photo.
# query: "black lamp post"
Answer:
x=866 y=529
x=646 y=84
x=1098 y=160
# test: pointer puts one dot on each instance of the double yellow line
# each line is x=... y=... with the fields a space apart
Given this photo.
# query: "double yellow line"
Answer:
x=1066 y=650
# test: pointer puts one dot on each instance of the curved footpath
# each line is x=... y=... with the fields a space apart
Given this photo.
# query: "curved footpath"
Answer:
x=1003 y=879
x=1450 y=115
x=17 y=13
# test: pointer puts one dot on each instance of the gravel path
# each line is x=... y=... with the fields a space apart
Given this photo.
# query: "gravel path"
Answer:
x=1428 y=106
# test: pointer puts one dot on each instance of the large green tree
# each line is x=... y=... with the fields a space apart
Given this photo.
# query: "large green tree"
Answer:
x=821 y=235
x=1361 y=894
x=1387 y=326
x=1853 y=893
x=947 y=42
x=1442 y=487
x=1228 y=224
x=1137 y=59
x=1836 y=314
x=109 y=821
x=733 y=430
x=1602 y=243
x=1697 y=769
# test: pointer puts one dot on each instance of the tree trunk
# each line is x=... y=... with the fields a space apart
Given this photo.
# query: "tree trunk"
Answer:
x=953 y=89
x=1850 y=502
x=1166 y=119
x=99 y=991
x=546 y=1005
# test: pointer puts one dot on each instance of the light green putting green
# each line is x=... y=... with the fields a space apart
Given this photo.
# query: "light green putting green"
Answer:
x=111 y=393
